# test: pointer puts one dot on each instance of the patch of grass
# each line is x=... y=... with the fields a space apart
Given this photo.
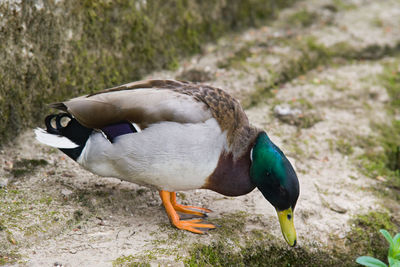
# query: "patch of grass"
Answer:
x=78 y=214
x=390 y=79
x=343 y=5
x=344 y=147
x=128 y=261
x=2 y=227
x=24 y=166
x=9 y=258
x=377 y=22
x=302 y=18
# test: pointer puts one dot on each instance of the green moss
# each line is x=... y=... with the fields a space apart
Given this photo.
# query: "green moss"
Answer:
x=303 y=18
x=128 y=261
x=24 y=166
x=365 y=239
x=344 y=147
x=232 y=224
x=312 y=54
x=263 y=89
x=383 y=159
x=24 y=213
x=235 y=61
x=259 y=250
x=9 y=258
x=382 y=152
x=390 y=79
x=343 y=5
x=370 y=52
x=46 y=200
x=78 y=214
x=64 y=49
x=377 y=22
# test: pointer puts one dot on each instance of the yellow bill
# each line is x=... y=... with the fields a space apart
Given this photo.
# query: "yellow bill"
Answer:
x=287 y=226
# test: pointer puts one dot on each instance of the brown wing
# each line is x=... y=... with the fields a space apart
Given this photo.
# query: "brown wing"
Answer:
x=151 y=101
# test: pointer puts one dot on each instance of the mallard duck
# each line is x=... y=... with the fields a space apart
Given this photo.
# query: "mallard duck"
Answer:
x=174 y=136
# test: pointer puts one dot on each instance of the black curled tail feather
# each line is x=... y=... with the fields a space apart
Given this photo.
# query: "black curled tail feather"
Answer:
x=64 y=124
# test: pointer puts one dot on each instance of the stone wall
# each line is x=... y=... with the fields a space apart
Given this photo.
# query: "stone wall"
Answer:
x=51 y=50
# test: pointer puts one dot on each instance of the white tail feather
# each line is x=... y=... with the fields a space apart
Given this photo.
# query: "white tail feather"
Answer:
x=53 y=139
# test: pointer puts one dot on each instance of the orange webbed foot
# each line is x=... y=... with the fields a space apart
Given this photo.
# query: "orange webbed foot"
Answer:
x=188 y=209
x=171 y=207
x=192 y=225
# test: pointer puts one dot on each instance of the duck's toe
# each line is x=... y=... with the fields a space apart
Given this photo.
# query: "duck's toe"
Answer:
x=193 y=225
x=191 y=210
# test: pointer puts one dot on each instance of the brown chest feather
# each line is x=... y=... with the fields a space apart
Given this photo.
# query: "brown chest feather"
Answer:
x=231 y=178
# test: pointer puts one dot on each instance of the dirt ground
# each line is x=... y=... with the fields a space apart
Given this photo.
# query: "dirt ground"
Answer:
x=55 y=213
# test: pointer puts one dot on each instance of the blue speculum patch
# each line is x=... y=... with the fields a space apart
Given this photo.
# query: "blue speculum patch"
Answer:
x=115 y=130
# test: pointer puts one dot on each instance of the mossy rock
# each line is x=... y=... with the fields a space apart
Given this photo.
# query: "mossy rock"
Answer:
x=61 y=49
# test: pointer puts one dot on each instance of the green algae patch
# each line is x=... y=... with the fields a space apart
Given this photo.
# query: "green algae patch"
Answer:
x=26 y=166
x=60 y=49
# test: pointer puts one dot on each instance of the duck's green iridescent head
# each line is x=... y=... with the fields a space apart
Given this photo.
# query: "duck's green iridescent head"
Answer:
x=275 y=177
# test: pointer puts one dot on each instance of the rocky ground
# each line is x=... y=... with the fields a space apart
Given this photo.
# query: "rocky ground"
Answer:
x=320 y=79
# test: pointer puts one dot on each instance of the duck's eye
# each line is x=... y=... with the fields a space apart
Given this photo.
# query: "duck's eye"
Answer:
x=289 y=216
x=64 y=121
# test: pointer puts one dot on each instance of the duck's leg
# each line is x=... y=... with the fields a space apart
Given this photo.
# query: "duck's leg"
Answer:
x=188 y=209
x=189 y=225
